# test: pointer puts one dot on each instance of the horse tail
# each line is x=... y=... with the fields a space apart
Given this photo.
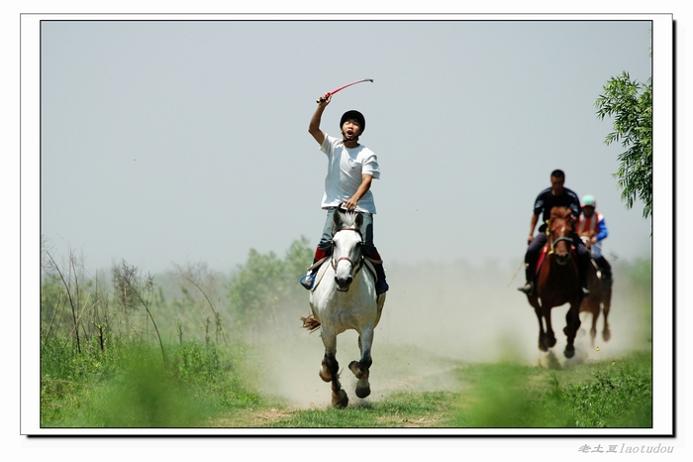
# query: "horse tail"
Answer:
x=310 y=323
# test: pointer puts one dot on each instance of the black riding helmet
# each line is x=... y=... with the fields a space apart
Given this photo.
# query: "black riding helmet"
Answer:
x=353 y=115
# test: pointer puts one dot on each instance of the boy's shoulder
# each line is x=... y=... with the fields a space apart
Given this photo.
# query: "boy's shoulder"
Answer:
x=365 y=150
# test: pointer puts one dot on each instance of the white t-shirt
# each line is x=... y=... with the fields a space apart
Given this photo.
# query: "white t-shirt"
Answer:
x=344 y=170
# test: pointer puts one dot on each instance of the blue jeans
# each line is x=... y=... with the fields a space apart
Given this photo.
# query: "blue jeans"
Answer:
x=366 y=229
x=369 y=250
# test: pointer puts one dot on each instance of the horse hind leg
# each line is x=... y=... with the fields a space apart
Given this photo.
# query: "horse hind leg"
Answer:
x=361 y=368
x=594 y=309
x=362 y=372
x=339 y=396
x=327 y=367
x=329 y=372
x=606 y=332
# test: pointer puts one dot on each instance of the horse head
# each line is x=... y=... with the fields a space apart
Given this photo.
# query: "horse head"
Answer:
x=347 y=256
x=560 y=229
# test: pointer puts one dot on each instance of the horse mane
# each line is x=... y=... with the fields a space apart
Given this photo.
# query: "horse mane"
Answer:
x=347 y=219
x=561 y=215
x=560 y=212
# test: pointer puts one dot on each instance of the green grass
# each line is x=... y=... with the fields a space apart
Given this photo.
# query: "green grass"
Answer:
x=398 y=410
x=615 y=393
x=130 y=386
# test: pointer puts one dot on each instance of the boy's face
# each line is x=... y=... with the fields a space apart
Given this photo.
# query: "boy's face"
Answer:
x=351 y=130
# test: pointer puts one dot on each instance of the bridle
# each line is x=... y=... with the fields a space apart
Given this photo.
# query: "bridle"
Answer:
x=562 y=238
x=567 y=239
x=354 y=267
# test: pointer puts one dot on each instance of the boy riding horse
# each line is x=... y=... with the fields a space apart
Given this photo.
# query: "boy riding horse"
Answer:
x=350 y=170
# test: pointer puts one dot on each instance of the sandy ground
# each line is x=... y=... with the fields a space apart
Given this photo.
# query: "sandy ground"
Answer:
x=435 y=318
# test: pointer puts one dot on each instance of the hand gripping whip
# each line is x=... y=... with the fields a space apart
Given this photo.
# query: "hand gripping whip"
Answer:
x=322 y=98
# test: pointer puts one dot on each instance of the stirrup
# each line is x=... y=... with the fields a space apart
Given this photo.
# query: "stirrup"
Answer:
x=308 y=280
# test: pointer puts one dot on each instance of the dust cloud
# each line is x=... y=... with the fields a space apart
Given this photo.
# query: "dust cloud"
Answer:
x=436 y=318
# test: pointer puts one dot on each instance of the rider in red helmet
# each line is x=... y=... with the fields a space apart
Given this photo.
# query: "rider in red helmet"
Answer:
x=350 y=170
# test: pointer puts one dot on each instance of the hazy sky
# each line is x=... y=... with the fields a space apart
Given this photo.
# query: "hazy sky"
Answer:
x=184 y=141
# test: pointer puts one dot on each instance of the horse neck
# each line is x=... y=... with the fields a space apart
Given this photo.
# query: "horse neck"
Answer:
x=552 y=268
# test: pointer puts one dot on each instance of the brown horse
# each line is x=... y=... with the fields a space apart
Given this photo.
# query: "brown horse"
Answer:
x=599 y=300
x=558 y=282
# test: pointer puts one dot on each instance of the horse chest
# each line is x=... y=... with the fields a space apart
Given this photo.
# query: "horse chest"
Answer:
x=345 y=310
x=350 y=309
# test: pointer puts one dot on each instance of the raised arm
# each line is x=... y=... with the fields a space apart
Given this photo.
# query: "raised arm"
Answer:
x=314 y=127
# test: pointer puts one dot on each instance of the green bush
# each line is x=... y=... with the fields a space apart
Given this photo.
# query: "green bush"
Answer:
x=615 y=394
x=133 y=387
x=265 y=285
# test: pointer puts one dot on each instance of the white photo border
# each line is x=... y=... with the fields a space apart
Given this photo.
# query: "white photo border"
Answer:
x=663 y=329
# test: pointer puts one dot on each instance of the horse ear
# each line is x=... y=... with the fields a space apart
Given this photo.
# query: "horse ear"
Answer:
x=359 y=220
x=337 y=218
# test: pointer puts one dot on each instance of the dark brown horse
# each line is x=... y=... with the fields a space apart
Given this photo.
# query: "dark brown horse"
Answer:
x=557 y=281
x=599 y=300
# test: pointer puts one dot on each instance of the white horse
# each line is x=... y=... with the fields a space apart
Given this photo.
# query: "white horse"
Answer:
x=344 y=298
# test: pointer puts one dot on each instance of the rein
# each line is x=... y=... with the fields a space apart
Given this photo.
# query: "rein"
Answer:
x=567 y=239
x=562 y=238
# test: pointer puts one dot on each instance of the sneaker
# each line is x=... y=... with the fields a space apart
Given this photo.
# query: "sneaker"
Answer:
x=308 y=280
x=528 y=288
x=381 y=287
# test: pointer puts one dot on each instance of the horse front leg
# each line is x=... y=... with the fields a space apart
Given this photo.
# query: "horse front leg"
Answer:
x=595 y=316
x=543 y=344
x=550 y=334
x=572 y=319
x=361 y=368
x=329 y=372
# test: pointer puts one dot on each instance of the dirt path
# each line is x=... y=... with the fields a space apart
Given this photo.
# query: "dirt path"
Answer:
x=399 y=378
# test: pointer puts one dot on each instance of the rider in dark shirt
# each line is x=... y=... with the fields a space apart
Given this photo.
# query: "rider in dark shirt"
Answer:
x=546 y=200
x=555 y=196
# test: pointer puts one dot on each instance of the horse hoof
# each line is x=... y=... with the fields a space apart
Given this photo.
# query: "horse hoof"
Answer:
x=569 y=351
x=362 y=392
x=325 y=375
x=552 y=342
x=542 y=344
x=340 y=399
x=606 y=335
x=355 y=369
